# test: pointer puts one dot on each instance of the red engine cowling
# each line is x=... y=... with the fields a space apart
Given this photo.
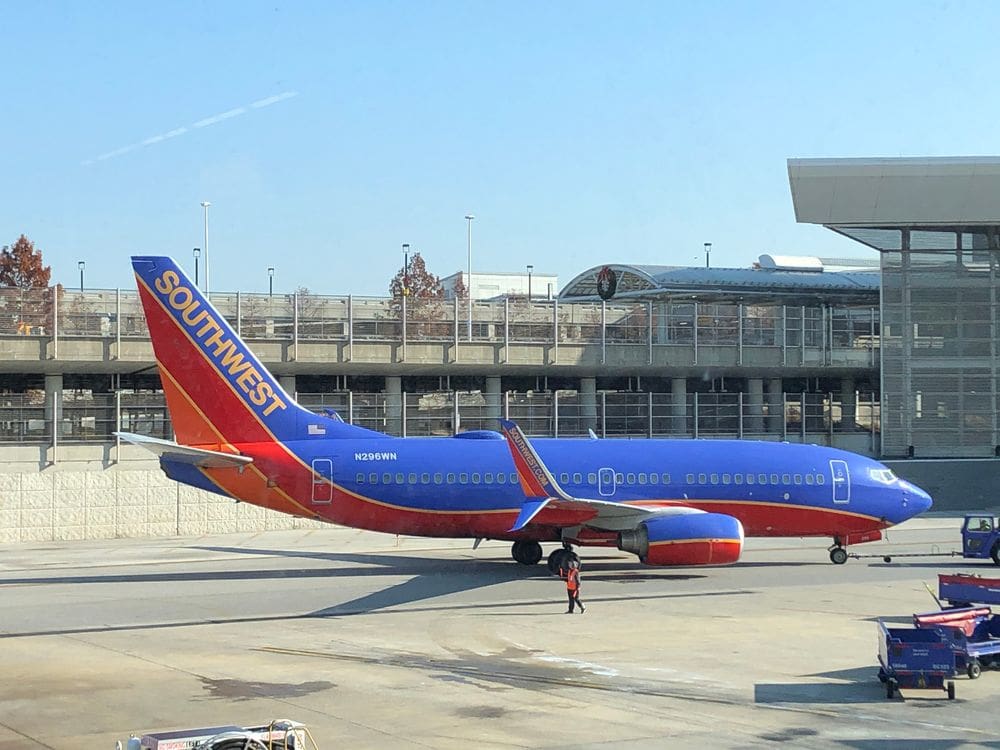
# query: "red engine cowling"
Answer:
x=691 y=539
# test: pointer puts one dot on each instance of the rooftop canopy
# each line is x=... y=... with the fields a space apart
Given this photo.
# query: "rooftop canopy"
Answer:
x=730 y=284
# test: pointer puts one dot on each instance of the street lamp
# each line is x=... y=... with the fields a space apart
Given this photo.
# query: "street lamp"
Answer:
x=270 y=281
x=708 y=252
x=406 y=269
x=205 y=205
x=81 y=265
x=530 y=268
x=196 y=252
x=468 y=291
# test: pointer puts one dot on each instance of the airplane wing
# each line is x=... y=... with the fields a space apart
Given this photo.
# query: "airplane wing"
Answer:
x=548 y=504
x=185 y=454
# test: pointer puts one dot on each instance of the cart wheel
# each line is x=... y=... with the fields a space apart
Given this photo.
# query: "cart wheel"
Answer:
x=974 y=669
x=995 y=553
x=887 y=559
x=890 y=688
x=882 y=677
x=838 y=555
x=951 y=690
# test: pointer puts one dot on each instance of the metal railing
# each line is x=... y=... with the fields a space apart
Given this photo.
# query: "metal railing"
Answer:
x=86 y=417
x=115 y=314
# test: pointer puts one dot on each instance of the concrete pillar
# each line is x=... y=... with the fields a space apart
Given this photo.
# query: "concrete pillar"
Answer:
x=775 y=412
x=588 y=404
x=288 y=383
x=53 y=409
x=848 y=405
x=494 y=400
x=754 y=423
x=394 y=405
x=678 y=406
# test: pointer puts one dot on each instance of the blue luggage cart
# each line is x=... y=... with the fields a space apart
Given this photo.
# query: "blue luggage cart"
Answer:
x=915 y=658
x=974 y=632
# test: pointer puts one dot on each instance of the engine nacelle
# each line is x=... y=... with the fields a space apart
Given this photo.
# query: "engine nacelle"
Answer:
x=691 y=539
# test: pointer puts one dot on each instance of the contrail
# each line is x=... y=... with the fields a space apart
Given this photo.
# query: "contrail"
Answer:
x=203 y=123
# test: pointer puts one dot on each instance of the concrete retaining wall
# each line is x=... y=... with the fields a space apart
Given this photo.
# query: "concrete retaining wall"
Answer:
x=51 y=506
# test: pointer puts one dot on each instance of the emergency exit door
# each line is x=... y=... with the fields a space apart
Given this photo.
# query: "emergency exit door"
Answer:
x=322 y=482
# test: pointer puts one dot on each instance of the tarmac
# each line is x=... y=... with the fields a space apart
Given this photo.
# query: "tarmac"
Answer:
x=375 y=641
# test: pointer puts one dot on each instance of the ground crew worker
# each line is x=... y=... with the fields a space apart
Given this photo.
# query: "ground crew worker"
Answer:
x=572 y=575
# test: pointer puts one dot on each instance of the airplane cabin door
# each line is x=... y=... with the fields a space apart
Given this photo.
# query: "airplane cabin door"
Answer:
x=841 y=481
x=606 y=482
x=322 y=481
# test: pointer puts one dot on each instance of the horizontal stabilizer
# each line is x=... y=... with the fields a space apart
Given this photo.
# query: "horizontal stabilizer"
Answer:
x=529 y=510
x=185 y=454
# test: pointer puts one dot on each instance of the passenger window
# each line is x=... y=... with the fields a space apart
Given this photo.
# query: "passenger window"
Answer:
x=630 y=478
x=577 y=478
x=715 y=479
x=501 y=478
x=642 y=477
x=564 y=478
x=726 y=479
x=690 y=478
x=373 y=478
x=463 y=478
x=702 y=479
x=413 y=478
x=425 y=479
x=820 y=479
x=476 y=477
x=750 y=479
x=665 y=478
x=438 y=478
x=762 y=479
x=360 y=478
x=591 y=478
x=513 y=478
x=387 y=479
x=798 y=479
x=774 y=479
x=809 y=479
x=400 y=479
x=786 y=479
x=488 y=478
x=738 y=478
x=619 y=479
x=451 y=479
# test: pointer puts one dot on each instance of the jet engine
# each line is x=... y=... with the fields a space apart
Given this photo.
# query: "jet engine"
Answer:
x=692 y=539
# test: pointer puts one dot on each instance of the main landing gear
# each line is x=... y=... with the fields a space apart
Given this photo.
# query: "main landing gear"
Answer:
x=526 y=553
x=560 y=558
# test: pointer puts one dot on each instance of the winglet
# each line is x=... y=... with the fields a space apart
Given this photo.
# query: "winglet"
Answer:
x=536 y=480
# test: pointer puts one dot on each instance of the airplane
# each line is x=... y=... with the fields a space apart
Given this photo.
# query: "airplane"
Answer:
x=670 y=502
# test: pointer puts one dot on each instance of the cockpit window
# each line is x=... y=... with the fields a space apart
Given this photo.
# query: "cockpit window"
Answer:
x=885 y=476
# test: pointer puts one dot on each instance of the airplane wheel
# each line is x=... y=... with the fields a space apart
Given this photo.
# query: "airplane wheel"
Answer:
x=557 y=559
x=838 y=555
x=526 y=553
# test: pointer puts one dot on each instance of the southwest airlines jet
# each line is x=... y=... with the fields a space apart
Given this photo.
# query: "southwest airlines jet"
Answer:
x=671 y=502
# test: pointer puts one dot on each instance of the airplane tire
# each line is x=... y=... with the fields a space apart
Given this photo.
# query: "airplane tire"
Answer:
x=838 y=555
x=526 y=553
x=557 y=559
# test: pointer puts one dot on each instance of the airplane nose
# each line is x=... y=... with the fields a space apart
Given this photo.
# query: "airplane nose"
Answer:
x=916 y=500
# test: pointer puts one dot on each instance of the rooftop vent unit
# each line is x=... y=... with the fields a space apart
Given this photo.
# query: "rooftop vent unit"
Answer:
x=790 y=263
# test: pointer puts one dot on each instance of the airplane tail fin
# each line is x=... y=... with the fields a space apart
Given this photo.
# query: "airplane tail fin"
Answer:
x=536 y=480
x=217 y=391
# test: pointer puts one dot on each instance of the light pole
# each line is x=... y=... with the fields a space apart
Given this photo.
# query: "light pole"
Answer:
x=270 y=281
x=530 y=268
x=208 y=287
x=468 y=291
x=708 y=252
x=406 y=269
x=196 y=252
x=81 y=265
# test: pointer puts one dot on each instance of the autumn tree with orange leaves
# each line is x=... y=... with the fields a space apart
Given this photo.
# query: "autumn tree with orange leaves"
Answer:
x=24 y=291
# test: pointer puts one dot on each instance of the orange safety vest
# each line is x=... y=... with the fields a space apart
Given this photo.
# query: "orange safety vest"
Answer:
x=572 y=579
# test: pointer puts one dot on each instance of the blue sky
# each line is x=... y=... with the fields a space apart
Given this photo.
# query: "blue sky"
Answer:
x=578 y=133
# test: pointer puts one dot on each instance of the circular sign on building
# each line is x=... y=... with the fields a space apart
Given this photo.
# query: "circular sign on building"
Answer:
x=607 y=283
